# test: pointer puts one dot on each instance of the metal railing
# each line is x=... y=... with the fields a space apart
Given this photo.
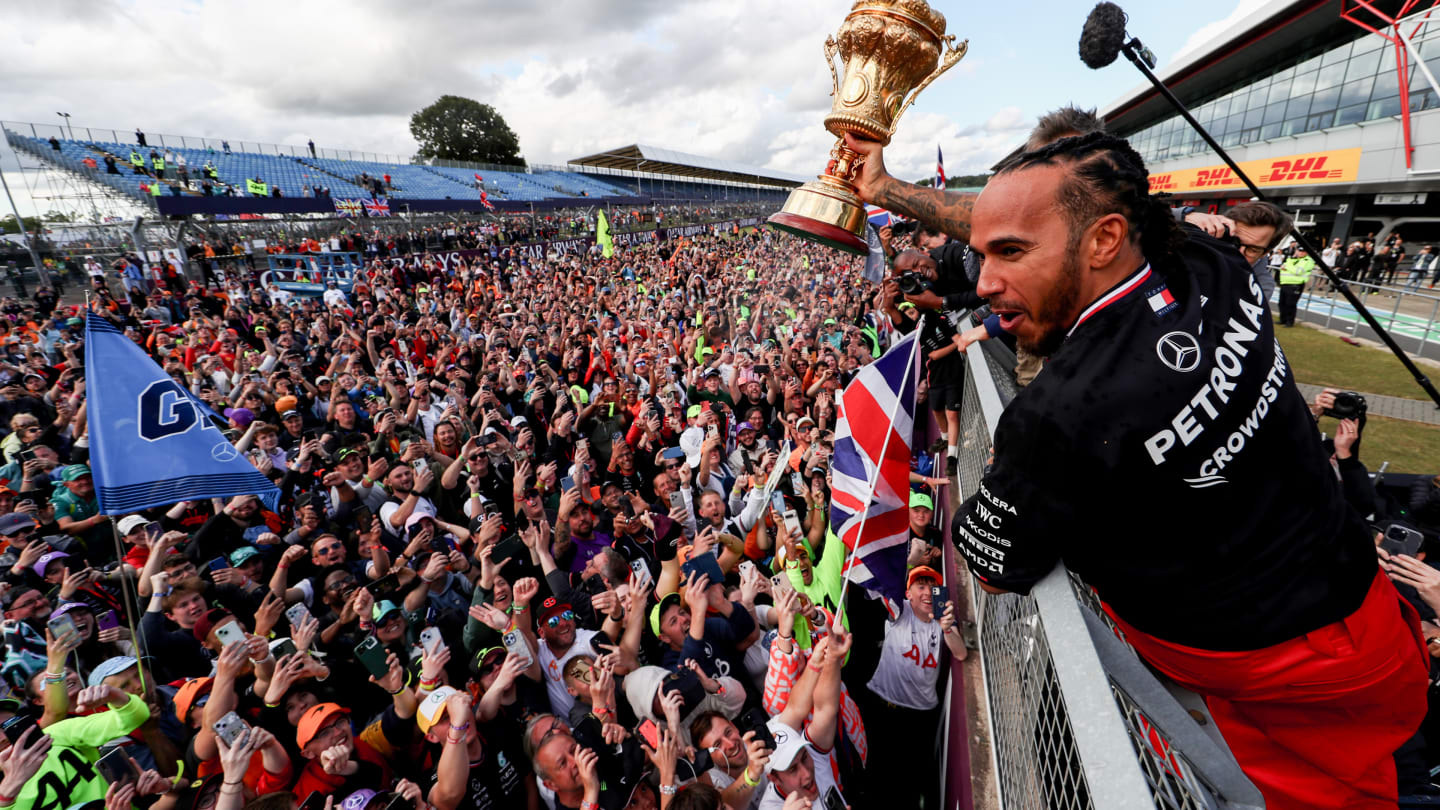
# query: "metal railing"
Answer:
x=1076 y=719
x=1410 y=315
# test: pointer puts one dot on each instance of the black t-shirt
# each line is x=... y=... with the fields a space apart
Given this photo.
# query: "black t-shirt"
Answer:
x=1165 y=455
x=497 y=780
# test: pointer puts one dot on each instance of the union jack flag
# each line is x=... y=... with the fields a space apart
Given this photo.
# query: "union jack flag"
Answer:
x=939 y=167
x=377 y=207
x=485 y=201
x=347 y=207
x=870 y=502
x=879 y=217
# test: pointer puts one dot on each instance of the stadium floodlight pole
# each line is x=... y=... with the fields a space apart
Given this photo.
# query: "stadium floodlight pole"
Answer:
x=1103 y=38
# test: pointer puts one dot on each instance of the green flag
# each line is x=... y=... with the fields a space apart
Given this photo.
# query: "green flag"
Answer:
x=602 y=233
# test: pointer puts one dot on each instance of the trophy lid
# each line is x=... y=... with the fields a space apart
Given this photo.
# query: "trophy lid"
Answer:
x=918 y=12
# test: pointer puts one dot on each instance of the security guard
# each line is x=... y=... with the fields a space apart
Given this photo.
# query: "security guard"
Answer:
x=1293 y=274
x=137 y=162
x=1166 y=457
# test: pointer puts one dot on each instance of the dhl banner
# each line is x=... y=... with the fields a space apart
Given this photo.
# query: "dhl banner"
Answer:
x=1338 y=166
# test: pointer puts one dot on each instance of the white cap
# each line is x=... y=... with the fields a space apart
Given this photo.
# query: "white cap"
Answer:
x=130 y=523
x=691 y=441
x=788 y=745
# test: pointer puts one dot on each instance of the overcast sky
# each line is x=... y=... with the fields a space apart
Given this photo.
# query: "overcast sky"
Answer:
x=740 y=79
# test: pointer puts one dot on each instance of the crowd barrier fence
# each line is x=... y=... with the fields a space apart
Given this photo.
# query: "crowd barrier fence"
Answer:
x=1070 y=715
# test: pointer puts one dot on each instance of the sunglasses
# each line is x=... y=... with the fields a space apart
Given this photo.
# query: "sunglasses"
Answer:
x=564 y=616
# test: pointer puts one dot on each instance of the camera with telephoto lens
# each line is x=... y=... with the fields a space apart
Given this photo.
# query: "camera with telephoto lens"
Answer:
x=912 y=283
x=1348 y=405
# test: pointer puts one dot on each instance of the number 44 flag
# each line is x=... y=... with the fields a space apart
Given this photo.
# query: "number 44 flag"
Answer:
x=152 y=442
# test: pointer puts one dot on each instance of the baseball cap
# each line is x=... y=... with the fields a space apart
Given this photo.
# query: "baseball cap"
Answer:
x=551 y=607
x=69 y=607
x=240 y=416
x=75 y=472
x=484 y=658
x=804 y=420
x=656 y=612
x=110 y=666
x=47 y=558
x=788 y=745
x=744 y=426
x=382 y=609
x=286 y=403
x=208 y=622
x=923 y=571
x=288 y=414
x=921 y=499
x=692 y=411
x=14 y=522
x=313 y=719
x=323 y=378
x=240 y=555
x=128 y=524
x=432 y=708
x=714 y=372
x=193 y=694
x=691 y=441
x=360 y=798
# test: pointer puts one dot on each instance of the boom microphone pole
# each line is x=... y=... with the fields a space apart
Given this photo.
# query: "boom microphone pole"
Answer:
x=1103 y=38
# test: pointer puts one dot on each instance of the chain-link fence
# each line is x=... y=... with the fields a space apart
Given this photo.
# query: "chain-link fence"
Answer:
x=1076 y=719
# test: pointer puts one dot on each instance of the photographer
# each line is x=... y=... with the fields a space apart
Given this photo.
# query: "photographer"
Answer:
x=1349 y=409
x=941 y=279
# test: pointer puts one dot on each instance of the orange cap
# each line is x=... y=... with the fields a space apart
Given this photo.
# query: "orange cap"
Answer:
x=191 y=691
x=313 y=719
x=923 y=571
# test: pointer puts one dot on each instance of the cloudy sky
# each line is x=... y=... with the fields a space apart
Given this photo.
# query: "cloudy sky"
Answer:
x=740 y=79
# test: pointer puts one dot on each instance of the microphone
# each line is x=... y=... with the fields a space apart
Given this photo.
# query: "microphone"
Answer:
x=1103 y=35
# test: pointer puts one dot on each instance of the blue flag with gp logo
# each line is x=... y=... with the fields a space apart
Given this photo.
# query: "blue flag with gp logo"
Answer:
x=152 y=442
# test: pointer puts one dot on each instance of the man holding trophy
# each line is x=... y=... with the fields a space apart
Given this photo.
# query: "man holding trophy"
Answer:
x=1147 y=455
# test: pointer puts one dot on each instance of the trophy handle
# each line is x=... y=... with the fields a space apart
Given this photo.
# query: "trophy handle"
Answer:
x=954 y=54
x=830 y=50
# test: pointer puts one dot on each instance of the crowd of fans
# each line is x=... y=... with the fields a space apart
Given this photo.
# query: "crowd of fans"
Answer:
x=523 y=554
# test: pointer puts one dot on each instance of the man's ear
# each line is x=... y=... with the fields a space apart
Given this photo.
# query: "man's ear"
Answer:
x=1107 y=237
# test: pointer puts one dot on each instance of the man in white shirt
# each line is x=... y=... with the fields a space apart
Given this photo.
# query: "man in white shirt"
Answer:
x=903 y=710
x=560 y=641
x=334 y=297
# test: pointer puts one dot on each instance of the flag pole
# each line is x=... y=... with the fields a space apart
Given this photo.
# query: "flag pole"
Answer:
x=910 y=368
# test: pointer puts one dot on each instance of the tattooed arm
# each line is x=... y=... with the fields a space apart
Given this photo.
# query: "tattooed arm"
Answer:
x=950 y=212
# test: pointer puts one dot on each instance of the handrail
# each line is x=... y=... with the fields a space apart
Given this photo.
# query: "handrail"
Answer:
x=1075 y=718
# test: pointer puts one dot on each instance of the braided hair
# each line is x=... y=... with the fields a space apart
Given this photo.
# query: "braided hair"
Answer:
x=1107 y=176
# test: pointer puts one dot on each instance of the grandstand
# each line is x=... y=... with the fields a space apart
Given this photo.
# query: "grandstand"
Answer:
x=633 y=173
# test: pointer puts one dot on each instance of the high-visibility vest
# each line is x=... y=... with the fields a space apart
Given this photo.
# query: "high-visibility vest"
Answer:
x=155 y=189
x=136 y=160
x=1296 y=270
x=159 y=164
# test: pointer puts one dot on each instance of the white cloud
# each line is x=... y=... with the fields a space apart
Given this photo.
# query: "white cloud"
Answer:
x=1205 y=33
x=743 y=80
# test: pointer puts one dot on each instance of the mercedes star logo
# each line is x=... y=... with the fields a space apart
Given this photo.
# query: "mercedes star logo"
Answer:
x=1178 y=350
x=224 y=451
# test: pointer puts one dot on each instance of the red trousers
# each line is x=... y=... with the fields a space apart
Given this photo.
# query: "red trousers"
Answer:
x=1314 y=721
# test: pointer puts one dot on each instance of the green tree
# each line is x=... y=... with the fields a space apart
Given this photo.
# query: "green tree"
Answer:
x=456 y=128
x=7 y=224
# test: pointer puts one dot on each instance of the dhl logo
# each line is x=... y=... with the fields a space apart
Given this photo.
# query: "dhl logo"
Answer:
x=1163 y=182
x=1223 y=176
x=1311 y=168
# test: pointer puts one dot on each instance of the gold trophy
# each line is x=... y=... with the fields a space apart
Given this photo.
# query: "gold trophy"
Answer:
x=889 y=47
